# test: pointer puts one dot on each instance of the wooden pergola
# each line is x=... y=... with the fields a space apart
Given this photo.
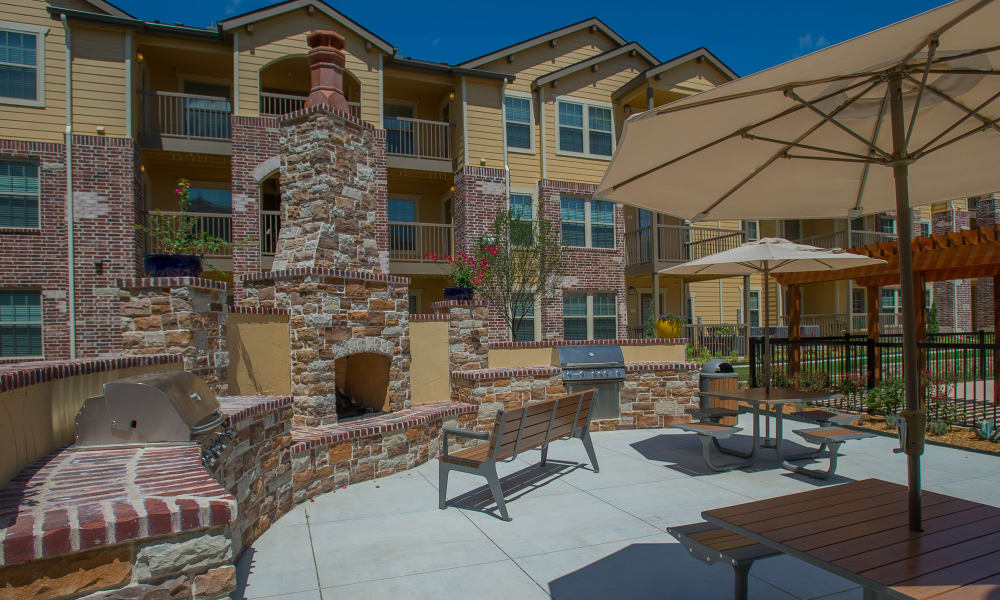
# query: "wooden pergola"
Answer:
x=967 y=254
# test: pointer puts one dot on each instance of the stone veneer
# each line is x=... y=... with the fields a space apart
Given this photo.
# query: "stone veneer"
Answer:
x=182 y=315
x=652 y=395
x=336 y=313
x=468 y=337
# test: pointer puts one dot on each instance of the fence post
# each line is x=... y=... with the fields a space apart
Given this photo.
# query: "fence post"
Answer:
x=848 y=354
x=982 y=354
x=870 y=360
x=753 y=362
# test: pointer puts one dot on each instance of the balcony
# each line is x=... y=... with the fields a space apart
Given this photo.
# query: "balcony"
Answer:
x=215 y=224
x=411 y=243
x=677 y=243
x=833 y=324
x=185 y=122
x=418 y=144
x=840 y=239
x=275 y=105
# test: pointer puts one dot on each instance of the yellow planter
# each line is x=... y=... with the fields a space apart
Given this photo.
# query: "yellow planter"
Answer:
x=668 y=329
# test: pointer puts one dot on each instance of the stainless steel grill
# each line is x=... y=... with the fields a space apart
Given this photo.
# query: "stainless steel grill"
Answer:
x=170 y=406
x=601 y=368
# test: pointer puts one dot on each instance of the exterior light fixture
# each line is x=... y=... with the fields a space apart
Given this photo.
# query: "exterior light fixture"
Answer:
x=138 y=55
x=451 y=95
x=628 y=109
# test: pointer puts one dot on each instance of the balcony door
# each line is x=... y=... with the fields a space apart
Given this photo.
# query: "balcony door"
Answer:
x=208 y=116
x=402 y=228
x=398 y=132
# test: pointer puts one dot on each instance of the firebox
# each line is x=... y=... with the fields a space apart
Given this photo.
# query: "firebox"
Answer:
x=362 y=384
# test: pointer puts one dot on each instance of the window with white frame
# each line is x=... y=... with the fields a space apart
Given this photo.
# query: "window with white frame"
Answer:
x=925 y=228
x=22 y=79
x=859 y=302
x=519 y=119
x=20 y=323
x=887 y=224
x=18 y=194
x=587 y=223
x=522 y=207
x=589 y=316
x=753 y=311
x=890 y=300
x=752 y=230
x=585 y=128
x=524 y=307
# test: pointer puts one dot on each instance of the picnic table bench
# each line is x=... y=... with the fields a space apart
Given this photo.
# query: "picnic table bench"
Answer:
x=534 y=425
x=711 y=544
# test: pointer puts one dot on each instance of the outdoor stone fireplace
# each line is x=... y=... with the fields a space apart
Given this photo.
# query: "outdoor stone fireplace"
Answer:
x=363 y=381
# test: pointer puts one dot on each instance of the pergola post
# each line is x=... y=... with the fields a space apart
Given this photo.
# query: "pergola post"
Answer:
x=874 y=358
x=996 y=339
x=794 y=304
x=920 y=329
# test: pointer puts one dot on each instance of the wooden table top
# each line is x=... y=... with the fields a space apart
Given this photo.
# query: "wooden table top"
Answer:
x=860 y=531
x=776 y=395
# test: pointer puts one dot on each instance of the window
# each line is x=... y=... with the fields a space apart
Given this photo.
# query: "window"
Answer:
x=525 y=330
x=18 y=194
x=752 y=230
x=887 y=225
x=858 y=223
x=413 y=304
x=859 y=304
x=590 y=317
x=519 y=120
x=792 y=230
x=210 y=200
x=587 y=223
x=402 y=210
x=402 y=237
x=522 y=207
x=925 y=229
x=20 y=323
x=890 y=300
x=754 y=311
x=21 y=64
x=585 y=128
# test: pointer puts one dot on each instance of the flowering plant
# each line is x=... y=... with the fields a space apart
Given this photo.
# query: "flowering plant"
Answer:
x=182 y=233
x=468 y=271
x=672 y=318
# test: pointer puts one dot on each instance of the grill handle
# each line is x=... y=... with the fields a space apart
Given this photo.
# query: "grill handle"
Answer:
x=213 y=424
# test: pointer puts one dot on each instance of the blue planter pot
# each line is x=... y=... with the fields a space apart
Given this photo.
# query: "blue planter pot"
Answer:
x=172 y=265
x=459 y=293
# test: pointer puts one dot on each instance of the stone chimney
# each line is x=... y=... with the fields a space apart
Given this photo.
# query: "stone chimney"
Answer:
x=326 y=69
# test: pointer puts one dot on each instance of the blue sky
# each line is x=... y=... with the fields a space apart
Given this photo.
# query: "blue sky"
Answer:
x=747 y=35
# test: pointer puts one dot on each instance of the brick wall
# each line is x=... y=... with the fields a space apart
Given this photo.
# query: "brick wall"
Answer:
x=951 y=297
x=589 y=270
x=255 y=141
x=107 y=201
x=987 y=215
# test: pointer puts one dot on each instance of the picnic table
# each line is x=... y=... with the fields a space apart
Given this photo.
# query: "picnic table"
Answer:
x=860 y=531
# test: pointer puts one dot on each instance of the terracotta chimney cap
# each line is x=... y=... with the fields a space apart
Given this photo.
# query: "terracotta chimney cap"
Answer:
x=325 y=37
x=326 y=69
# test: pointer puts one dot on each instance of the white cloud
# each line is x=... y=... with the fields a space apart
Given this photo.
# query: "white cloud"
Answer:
x=435 y=42
x=232 y=5
x=807 y=43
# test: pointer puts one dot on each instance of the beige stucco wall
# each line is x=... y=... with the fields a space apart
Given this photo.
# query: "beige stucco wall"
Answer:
x=36 y=420
x=546 y=356
x=430 y=377
x=258 y=355
x=657 y=353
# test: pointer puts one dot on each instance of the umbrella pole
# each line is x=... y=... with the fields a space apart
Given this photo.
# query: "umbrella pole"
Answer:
x=767 y=329
x=913 y=412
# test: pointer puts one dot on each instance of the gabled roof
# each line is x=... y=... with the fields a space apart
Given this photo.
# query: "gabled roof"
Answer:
x=630 y=48
x=697 y=54
x=445 y=68
x=109 y=8
x=182 y=31
x=594 y=22
x=291 y=5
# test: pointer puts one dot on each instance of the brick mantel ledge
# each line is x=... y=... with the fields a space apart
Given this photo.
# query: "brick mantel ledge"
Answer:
x=660 y=366
x=154 y=282
x=505 y=372
x=238 y=408
x=18 y=375
x=553 y=343
x=323 y=272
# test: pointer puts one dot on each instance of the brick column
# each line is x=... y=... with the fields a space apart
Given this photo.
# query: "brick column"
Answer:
x=468 y=338
x=951 y=297
x=255 y=146
x=177 y=315
x=987 y=215
x=480 y=194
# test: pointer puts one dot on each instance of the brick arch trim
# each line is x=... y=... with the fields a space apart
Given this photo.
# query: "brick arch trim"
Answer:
x=261 y=171
x=364 y=345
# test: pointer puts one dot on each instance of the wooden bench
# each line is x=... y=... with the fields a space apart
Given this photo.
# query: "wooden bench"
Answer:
x=713 y=414
x=710 y=434
x=534 y=425
x=711 y=543
x=831 y=438
x=824 y=418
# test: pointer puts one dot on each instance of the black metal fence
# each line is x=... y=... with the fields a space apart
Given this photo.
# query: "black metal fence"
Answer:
x=956 y=368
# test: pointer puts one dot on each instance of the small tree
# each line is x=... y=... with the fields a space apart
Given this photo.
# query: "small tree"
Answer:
x=932 y=320
x=525 y=266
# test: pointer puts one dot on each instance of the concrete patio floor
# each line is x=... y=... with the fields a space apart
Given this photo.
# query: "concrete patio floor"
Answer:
x=575 y=533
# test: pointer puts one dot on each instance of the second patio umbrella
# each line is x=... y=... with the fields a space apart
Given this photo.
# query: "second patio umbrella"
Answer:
x=766 y=256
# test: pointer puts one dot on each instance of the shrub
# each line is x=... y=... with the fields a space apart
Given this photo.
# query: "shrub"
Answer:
x=937 y=427
x=886 y=397
x=988 y=430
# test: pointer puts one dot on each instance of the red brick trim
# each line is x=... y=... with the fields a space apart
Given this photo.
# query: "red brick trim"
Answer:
x=58 y=506
x=304 y=438
x=553 y=343
x=661 y=366
x=302 y=113
x=154 y=282
x=271 y=122
x=323 y=272
x=415 y=317
x=239 y=408
x=20 y=230
x=20 y=375
x=256 y=310
x=504 y=373
x=442 y=304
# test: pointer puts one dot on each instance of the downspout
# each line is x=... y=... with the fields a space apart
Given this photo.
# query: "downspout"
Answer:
x=128 y=84
x=70 y=217
x=503 y=134
x=465 y=125
x=236 y=73
x=541 y=119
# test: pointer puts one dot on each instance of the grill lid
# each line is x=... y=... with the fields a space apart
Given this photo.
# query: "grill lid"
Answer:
x=593 y=357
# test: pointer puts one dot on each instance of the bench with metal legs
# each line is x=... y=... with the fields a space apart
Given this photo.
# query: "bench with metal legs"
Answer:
x=534 y=425
x=711 y=543
x=710 y=434
x=831 y=438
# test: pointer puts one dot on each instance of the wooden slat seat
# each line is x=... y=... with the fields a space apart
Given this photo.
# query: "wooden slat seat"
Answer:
x=711 y=543
x=709 y=434
x=713 y=414
x=719 y=432
x=831 y=438
x=531 y=426
x=824 y=417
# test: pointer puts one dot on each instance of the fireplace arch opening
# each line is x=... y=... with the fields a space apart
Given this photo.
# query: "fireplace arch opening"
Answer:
x=362 y=384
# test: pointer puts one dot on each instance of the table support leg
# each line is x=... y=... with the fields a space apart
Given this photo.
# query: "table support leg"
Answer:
x=741 y=585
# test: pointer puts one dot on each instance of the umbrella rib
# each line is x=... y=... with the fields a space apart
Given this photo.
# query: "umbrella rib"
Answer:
x=971 y=132
x=965 y=71
x=829 y=118
x=955 y=102
x=932 y=46
x=868 y=165
x=833 y=158
x=731 y=135
x=950 y=128
x=804 y=146
x=955 y=21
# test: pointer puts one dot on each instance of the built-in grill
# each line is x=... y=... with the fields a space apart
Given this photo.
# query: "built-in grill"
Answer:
x=601 y=368
x=169 y=406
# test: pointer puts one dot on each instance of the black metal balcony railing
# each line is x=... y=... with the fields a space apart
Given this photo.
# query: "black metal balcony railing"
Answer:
x=678 y=243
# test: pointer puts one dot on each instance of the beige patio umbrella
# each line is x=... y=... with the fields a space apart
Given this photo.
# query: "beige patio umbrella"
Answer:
x=766 y=256
x=907 y=114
